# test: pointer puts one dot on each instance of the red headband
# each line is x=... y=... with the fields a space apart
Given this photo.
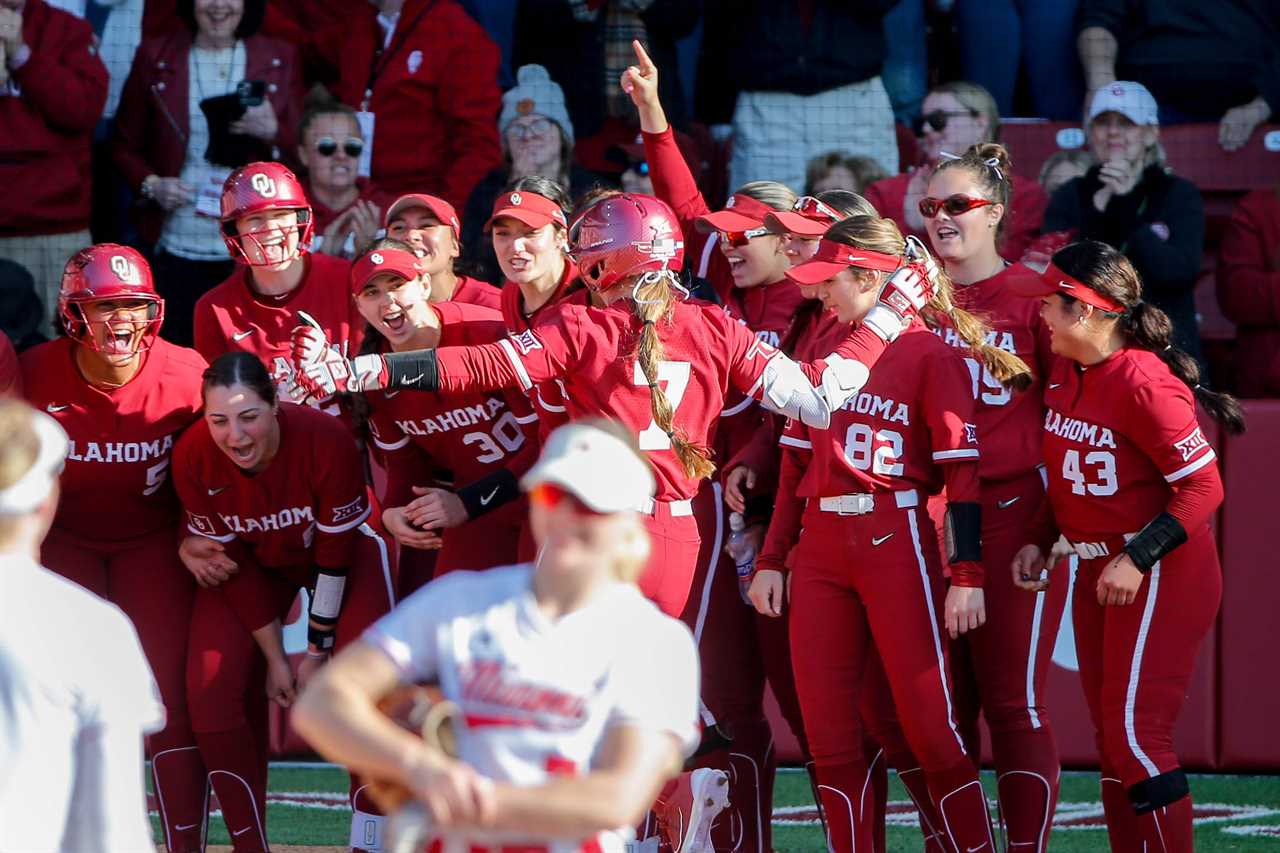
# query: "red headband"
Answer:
x=832 y=257
x=1056 y=281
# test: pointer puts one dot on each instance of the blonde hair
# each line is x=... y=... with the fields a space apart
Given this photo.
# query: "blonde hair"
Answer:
x=882 y=235
x=19 y=449
x=654 y=304
x=976 y=99
x=775 y=195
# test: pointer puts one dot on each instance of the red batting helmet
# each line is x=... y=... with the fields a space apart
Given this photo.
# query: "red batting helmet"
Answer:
x=260 y=187
x=624 y=234
x=107 y=271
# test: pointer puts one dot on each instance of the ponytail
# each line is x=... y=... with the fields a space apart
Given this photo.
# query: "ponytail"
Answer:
x=1150 y=328
x=654 y=304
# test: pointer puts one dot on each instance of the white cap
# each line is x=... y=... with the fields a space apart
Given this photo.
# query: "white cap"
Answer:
x=34 y=486
x=596 y=467
x=1130 y=99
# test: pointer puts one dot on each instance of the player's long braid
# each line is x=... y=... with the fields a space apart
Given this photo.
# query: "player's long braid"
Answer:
x=653 y=305
x=882 y=235
x=1109 y=272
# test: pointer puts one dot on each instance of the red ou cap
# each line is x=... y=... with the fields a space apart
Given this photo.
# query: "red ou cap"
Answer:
x=741 y=213
x=380 y=261
x=832 y=257
x=437 y=207
x=528 y=207
x=1054 y=280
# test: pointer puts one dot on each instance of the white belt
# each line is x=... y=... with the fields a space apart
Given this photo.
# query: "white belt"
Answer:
x=1094 y=550
x=865 y=503
x=677 y=509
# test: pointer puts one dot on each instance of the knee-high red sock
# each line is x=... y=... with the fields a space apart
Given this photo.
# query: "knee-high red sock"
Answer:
x=746 y=826
x=930 y=822
x=878 y=769
x=1122 y=824
x=1168 y=829
x=1027 y=771
x=844 y=790
x=182 y=796
x=233 y=762
x=961 y=804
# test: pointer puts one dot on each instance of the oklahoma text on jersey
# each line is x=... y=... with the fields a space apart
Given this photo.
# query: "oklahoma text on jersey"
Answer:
x=457 y=418
x=1083 y=432
x=120 y=451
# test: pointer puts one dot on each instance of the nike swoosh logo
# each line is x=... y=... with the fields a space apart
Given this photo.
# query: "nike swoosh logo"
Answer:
x=180 y=827
x=242 y=831
x=1008 y=503
x=408 y=381
x=389 y=394
x=1053 y=385
x=240 y=336
x=876 y=540
x=217 y=491
x=52 y=408
x=484 y=501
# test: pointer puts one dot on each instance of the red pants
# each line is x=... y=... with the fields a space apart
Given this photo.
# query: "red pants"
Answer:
x=1001 y=668
x=490 y=540
x=673 y=559
x=224 y=667
x=1135 y=665
x=145 y=579
x=849 y=595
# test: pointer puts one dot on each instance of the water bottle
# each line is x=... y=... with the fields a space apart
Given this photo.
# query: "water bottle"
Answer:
x=743 y=553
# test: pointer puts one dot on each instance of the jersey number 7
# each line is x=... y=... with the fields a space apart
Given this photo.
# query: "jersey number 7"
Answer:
x=673 y=378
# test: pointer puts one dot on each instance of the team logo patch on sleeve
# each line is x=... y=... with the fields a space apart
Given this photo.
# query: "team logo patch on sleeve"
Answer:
x=971 y=433
x=1191 y=445
x=527 y=341
x=201 y=524
x=349 y=511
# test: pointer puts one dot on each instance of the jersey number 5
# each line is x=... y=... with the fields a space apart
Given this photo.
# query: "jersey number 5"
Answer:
x=1104 y=472
x=673 y=377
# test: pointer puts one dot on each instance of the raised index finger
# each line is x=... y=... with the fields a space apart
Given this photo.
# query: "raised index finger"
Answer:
x=642 y=58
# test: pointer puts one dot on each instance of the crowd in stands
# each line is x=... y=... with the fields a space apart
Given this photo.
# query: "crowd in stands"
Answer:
x=122 y=119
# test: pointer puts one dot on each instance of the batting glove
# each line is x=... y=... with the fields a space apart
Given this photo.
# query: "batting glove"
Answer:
x=904 y=294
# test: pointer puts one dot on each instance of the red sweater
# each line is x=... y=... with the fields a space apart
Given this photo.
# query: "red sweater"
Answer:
x=1249 y=291
x=435 y=94
x=47 y=114
x=1029 y=202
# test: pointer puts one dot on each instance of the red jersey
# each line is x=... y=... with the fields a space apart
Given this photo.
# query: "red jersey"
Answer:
x=115 y=486
x=473 y=291
x=472 y=433
x=301 y=511
x=592 y=351
x=231 y=317
x=1116 y=435
x=1008 y=420
x=10 y=370
x=914 y=415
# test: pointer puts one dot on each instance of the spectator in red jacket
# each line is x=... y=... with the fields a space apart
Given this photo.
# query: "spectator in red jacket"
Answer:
x=52 y=89
x=954 y=116
x=1249 y=291
x=163 y=138
x=428 y=73
x=347 y=209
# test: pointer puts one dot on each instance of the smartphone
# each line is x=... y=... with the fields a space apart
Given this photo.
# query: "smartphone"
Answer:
x=251 y=92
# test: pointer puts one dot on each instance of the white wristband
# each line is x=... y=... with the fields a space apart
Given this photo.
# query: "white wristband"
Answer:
x=885 y=322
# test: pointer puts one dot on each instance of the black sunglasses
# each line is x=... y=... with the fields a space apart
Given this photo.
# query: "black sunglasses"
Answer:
x=937 y=119
x=327 y=146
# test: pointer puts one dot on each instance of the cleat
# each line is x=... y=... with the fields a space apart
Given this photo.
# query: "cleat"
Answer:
x=687 y=813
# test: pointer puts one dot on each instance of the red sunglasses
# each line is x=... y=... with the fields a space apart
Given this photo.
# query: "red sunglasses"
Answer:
x=954 y=205
x=738 y=239
x=812 y=208
x=550 y=496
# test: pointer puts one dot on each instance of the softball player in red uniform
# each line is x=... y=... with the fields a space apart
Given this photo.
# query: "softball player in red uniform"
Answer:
x=123 y=395
x=267 y=226
x=1001 y=668
x=908 y=430
x=431 y=226
x=470 y=435
x=281 y=491
x=1132 y=485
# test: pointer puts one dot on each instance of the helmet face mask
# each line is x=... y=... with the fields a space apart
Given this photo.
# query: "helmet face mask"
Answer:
x=258 y=190
x=256 y=243
x=624 y=235
x=110 y=273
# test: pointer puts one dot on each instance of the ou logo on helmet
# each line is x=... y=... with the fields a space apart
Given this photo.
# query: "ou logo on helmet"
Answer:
x=263 y=184
x=125 y=270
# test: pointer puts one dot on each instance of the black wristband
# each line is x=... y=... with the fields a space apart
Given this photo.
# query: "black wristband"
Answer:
x=963 y=532
x=489 y=492
x=1161 y=535
x=418 y=370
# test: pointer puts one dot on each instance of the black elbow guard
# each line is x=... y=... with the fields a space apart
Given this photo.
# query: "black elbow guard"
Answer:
x=418 y=370
x=1159 y=537
x=962 y=532
x=489 y=493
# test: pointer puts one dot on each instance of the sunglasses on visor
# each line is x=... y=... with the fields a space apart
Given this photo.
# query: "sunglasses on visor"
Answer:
x=812 y=208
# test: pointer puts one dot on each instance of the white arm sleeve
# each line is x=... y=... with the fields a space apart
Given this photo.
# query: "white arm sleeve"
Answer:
x=787 y=391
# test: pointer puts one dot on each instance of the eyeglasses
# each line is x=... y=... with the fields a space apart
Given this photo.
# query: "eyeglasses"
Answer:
x=537 y=127
x=812 y=208
x=550 y=495
x=954 y=205
x=738 y=239
x=327 y=146
x=937 y=119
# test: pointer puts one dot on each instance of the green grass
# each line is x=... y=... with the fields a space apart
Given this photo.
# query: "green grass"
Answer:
x=294 y=824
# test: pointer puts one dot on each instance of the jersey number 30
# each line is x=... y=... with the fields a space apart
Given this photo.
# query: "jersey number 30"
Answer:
x=673 y=378
x=1100 y=467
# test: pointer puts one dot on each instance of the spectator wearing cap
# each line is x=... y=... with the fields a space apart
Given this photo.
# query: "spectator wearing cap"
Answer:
x=1197 y=58
x=837 y=170
x=1249 y=291
x=52 y=88
x=796 y=79
x=430 y=225
x=346 y=208
x=955 y=116
x=427 y=74
x=166 y=144
x=1133 y=202
x=537 y=139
